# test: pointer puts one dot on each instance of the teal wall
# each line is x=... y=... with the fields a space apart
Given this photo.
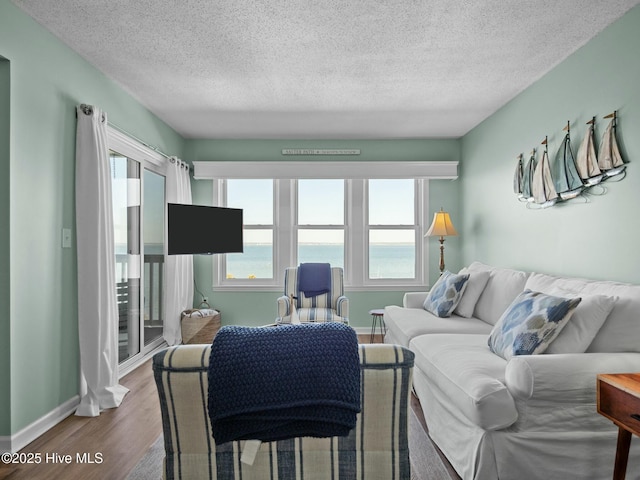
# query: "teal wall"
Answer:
x=42 y=81
x=599 y=239
x=255 y=308
x=47 y=81
x=5 y=326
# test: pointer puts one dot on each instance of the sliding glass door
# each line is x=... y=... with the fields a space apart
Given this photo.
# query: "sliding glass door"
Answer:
x=138 y=216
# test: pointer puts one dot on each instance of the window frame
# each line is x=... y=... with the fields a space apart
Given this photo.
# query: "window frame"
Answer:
x=417 y=227
x=285 y=174
x=221 y=266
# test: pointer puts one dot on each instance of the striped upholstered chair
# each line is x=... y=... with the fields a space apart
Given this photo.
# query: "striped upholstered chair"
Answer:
x=328 y=307
x=376 y=449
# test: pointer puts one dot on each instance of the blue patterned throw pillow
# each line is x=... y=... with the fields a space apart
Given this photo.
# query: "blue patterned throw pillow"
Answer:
x=530 y=324
x=446 y=293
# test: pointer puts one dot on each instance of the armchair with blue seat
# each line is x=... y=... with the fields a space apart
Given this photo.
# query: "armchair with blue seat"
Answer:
x=329 y=306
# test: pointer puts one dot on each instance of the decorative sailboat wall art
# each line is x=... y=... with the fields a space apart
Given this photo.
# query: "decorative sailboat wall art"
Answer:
x=542 y=184
x=587 y=161
x=518 y=177
x=523 y=178
x=542 y=187
x=609 y=159
x=566 y=178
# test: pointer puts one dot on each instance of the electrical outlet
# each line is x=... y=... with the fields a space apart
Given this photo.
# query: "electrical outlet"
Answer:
x=66 y=238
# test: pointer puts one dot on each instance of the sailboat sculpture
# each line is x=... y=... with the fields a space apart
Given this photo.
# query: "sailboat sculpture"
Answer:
x=527 y=177
x=517 y=178
x=542 y=188
x=567 y=180
x=609 y=158
x=586 y=161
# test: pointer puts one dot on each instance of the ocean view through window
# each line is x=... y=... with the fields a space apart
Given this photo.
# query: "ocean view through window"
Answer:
x=386 y=260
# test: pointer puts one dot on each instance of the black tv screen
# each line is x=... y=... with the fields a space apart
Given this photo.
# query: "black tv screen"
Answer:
x=198 y=229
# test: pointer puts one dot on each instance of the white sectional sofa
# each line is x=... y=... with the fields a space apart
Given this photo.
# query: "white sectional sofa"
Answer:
x=532 y=416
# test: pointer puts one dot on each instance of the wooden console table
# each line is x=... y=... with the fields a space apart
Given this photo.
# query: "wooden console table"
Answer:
x=619 y=401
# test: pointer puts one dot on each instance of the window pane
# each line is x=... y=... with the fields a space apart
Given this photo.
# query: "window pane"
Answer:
x=391 y=202
x=125 y=191
x=392 y=254
x=255 y=197
x=257 y=259
x=321 y=202
x=321 y=246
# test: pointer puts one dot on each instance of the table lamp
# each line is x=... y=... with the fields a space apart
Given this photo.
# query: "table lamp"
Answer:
x=441 y=227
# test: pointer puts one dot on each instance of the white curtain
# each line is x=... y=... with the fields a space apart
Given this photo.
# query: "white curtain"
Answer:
x=97 y=307
x=179 y=268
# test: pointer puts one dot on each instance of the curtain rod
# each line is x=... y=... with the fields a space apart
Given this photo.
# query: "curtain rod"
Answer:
x=150 y=147
x=88 y=110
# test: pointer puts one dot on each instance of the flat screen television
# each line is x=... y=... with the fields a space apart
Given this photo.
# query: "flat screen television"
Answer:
x=199 y=229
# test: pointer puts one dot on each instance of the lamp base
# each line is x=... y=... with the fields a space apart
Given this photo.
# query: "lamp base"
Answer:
x=441 y=255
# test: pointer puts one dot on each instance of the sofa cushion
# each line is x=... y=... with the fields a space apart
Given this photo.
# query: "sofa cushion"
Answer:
x=588 y=317
x=585 y=322
x=540 y=282
x=403 y=324
x=475 y=286
x=531 y=323
x=502 y=287
x=446 y=293
x=469 y=375
x=621 y=330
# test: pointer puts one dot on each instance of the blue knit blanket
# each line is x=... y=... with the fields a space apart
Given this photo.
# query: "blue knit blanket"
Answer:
x=282 y=382
x=314 y=279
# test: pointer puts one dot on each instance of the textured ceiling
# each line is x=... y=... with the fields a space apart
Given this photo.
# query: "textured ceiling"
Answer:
x=324 y=68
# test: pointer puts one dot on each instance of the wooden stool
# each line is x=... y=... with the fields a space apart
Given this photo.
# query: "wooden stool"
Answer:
x=377 y=316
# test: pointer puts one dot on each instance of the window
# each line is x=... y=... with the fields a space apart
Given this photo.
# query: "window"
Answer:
x=255 y=197
x=320 y=226
x=326 y=212
x=392 y=229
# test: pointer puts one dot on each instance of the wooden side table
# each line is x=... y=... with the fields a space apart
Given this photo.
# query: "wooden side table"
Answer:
x=619 y=401
x=377 y=316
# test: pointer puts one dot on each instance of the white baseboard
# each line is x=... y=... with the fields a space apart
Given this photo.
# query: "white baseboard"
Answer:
x=28 y=434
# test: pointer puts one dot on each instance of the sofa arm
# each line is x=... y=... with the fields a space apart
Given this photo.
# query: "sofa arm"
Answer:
x=414 y=299
x=564 y=378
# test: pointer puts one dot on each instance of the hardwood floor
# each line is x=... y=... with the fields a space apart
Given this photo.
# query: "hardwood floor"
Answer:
x=115 y=441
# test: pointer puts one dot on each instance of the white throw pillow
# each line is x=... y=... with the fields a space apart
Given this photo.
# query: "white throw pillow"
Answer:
x=475 y=286
x=585 y=323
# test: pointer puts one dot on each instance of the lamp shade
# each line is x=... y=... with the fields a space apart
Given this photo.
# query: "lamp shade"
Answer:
x=441 y=226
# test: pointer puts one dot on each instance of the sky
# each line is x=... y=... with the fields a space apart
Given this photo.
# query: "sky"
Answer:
x=321 y=202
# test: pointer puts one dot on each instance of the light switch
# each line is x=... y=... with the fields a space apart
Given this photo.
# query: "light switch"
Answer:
x=66 y=238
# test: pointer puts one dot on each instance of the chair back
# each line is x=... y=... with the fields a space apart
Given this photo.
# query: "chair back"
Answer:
x=378 y=448
x=326 y=300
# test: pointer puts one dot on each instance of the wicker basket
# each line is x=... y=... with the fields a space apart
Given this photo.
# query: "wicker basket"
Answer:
x=199 y=326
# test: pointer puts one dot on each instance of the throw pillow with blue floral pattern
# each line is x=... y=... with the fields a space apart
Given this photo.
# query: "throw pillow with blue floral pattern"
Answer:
x=530 y=324
x=445 y=294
